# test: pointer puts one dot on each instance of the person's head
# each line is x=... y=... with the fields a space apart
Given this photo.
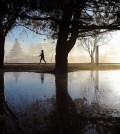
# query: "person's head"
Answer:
x=42 y=51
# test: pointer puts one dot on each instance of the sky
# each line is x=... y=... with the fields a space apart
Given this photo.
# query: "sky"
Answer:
x=24 y=36
x=109 y=52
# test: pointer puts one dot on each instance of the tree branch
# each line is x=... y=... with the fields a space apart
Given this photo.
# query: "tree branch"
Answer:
x=32 y=30
x=93 y=27
x=24 y=15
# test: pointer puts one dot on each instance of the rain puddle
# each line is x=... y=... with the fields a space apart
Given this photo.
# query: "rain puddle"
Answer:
x=85 y=102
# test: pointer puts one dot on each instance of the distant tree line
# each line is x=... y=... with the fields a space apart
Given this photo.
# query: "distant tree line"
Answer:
x=18 y=55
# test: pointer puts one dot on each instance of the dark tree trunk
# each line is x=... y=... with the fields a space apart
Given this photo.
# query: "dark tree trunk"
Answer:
x=61 y=58
x=5 y=28
x=68 y=33
x=61 y=48
x=2 y=42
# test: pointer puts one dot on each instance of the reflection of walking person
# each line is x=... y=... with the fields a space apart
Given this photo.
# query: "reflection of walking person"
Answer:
x=42 y=78
x=42 y=57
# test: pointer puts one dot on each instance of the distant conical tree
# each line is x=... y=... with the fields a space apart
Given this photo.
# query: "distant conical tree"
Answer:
x=16 y=51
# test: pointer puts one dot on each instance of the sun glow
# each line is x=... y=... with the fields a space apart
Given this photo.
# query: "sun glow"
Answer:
x=108 y=53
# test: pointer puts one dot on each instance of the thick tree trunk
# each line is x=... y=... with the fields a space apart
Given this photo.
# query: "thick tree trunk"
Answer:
x=61 y=59
x=5 y=28
x=62 y=43
x=2 y=42
x=68 y=34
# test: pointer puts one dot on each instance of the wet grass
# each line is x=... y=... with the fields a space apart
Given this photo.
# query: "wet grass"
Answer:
x=35 y=67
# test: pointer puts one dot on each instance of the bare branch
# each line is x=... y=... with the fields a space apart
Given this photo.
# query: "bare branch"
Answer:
x=18 y=24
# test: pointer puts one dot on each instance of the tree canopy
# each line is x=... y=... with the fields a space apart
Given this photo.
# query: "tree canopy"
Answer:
x=84 y=15
x=48 y=14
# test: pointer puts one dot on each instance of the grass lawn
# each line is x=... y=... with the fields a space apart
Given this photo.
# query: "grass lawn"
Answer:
x=34 y=67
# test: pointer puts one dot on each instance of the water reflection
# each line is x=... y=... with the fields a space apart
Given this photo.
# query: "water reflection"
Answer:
x=8 y=119
x=77 y=116
x=67 y=114
x=2 y=122
x=96 y=86
x=16 y=76
x=42 y=77
x=68 y=103
x=28 y=88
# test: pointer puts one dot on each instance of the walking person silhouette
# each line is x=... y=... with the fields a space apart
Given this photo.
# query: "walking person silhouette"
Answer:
x=42 y=57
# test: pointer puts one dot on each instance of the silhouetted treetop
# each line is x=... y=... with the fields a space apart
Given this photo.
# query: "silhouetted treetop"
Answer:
x=89 y=14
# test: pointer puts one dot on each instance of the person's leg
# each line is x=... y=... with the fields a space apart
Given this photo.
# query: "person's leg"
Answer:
x=44 y=61
x=40 y=61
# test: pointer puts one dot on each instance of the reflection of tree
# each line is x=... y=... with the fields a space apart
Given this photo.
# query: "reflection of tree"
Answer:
x=78 y=116
x=93 y=94
x=100 y=117
x=36 y=117
x=2 y=122
x=95 y=82
x=61 y=119
x=7 y=116
x=67 y=114
x=91 y=87
x=63 y=116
